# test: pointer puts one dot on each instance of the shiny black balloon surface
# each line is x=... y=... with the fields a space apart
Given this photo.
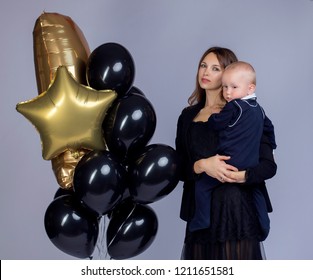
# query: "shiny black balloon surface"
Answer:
x=70 y=228
x=99 y=181
x=131 y=230
x=111 y=66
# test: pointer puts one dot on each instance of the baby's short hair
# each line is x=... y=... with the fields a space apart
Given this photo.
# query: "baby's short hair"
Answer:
x=245 y=67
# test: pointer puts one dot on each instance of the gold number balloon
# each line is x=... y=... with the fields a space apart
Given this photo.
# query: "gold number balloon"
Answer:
x=64 y=166
x=59 y=41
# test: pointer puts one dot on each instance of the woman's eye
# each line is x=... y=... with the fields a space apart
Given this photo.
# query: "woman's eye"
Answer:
x=202 y=65
x=216 y=69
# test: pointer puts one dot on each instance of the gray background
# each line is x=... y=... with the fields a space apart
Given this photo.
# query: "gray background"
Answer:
x=166 y=39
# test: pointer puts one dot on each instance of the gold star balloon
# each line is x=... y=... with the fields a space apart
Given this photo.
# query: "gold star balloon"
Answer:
x=68 y=116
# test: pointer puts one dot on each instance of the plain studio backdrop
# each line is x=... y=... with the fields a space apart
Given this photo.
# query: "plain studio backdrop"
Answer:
x=166 y=40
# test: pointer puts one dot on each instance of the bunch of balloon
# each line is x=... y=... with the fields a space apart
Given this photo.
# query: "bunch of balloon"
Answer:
x=96 y=132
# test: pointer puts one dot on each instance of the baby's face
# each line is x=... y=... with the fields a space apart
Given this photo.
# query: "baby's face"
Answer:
x=235 y=85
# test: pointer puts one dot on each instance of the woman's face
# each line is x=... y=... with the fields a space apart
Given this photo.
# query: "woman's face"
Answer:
x=210 y=73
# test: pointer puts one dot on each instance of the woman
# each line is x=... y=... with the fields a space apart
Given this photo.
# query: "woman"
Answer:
x=234 y=231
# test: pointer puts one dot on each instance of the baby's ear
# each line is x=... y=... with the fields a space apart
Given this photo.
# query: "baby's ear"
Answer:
x=252 y=88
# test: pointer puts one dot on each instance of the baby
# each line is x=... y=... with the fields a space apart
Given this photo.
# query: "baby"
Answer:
x=240 y=125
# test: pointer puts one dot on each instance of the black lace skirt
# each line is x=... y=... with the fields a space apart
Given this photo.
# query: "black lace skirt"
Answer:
x=234 y=232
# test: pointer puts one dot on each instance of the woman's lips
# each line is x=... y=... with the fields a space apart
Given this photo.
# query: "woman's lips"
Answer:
x=203 y=80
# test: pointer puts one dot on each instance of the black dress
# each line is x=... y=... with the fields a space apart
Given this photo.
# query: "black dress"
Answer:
x=235 y=231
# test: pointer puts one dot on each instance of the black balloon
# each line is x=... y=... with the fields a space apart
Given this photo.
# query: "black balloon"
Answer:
x=131 y=230
x=99 y=181
x=70 y=228
x=154 y=173
x=129 y=125
x=111 y=66
x=135 y=90
x=61 y=192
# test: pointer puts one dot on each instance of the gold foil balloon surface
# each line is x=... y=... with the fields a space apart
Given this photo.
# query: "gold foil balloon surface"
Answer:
x=64 y=166
x=58 y=41
x=68 y=116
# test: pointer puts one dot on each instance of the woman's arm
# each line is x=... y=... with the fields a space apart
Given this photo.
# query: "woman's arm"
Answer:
x=185 y=172
x=216 y=167
x=265 y=170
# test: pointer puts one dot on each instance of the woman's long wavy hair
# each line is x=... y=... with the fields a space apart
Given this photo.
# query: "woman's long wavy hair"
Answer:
x=225 y=57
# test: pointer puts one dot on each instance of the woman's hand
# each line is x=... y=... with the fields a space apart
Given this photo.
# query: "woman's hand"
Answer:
x=217 y=168
x=236 y=176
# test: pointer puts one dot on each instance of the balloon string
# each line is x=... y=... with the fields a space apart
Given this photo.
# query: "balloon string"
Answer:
x=101 y=239
x=131 y=212
x=101 y=244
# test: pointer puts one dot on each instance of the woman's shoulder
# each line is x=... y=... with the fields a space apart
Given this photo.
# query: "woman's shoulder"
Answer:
x=187 y=114
x=190 y=109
